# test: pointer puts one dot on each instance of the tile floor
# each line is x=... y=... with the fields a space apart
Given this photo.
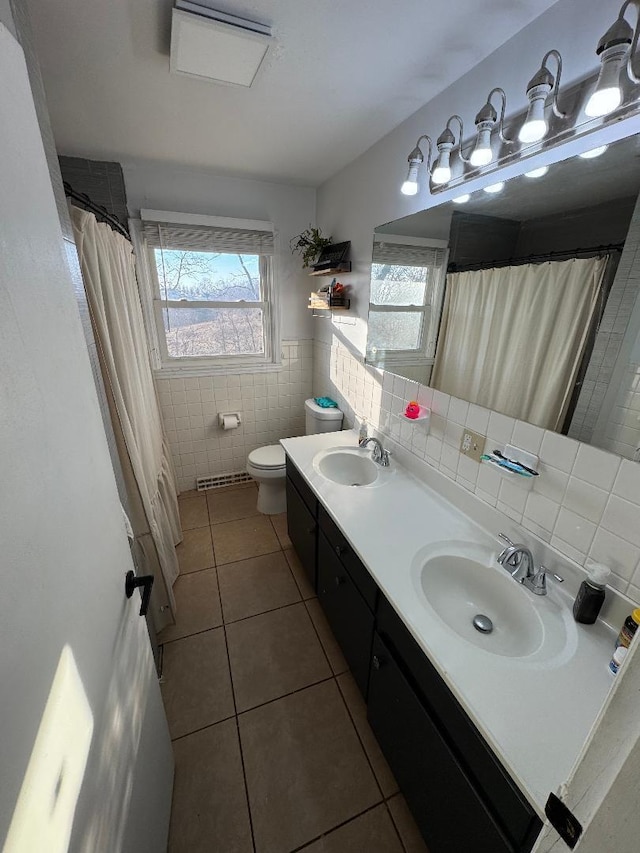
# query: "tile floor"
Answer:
x=272 y=746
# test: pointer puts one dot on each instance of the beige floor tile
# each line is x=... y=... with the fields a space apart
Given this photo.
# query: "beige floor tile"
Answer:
x=197 y=605
x=193 y=512
x=406 y=825
x=196 y=686
x=305 y=768
x=195 y=552
x=280 y=526
x=209 y=810
x=329 y=642
x=301 y=577
x=372 y=832
x=256 y=585
x=231 y=505
x=240 y=540
x=190 y=493
x=273 y=654
x=358 y=711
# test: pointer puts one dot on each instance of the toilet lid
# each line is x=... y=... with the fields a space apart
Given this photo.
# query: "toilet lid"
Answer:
x=271 y=456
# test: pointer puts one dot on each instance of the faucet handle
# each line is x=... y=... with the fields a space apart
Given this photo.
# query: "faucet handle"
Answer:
x=506 y=539
x=539 y=581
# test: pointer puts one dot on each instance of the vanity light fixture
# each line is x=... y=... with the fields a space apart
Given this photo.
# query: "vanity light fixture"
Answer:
x=594 y=152
x=494 y=188
x=537 y=173
x=612 y=49
x=485 y=122
x=415 y=160
x=538 y=89
x=462 y=199
x=442 y=170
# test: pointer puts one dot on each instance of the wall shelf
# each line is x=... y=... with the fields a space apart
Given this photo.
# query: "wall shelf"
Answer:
x=336 y=270
x=324 y=302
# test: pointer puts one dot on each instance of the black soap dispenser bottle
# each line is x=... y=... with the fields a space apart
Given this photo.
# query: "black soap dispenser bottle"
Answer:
x=591 y=595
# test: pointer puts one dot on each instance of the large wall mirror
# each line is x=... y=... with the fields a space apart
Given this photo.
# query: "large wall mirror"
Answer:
x=517 y=299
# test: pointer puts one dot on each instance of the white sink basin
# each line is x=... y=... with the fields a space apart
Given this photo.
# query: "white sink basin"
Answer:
x=350 y=467
x=461 y=581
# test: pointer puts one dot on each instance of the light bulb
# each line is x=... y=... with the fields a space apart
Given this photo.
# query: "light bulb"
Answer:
x=462 y=199
x=481 y=154
x=594 y=152
x=441 y=175
x=494 y=188
x=607 y=96
x=535 y=125
x=537 y=173
x=410 y=186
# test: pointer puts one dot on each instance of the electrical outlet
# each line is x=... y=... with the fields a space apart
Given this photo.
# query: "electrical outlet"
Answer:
x=472 y=444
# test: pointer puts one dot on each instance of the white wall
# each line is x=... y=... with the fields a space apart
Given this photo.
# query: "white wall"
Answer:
x=271 y=403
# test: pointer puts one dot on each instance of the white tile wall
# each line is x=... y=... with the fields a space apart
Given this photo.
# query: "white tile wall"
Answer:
x=585 y=503
x=272 y=407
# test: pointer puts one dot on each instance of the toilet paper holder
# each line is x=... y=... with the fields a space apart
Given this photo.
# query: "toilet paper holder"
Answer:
x=229 y=420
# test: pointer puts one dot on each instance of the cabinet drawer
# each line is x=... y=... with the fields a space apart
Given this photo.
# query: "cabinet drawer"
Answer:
x=302 y=528
x=515 y=815
x=359 y=574
x=350 y=619
x=303 y=489
x=444 y=803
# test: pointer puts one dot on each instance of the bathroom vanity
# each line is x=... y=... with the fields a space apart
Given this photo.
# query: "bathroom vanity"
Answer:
x=478 y=730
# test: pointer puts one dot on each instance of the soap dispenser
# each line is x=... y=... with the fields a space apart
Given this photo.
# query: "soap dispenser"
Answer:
x=591 y=595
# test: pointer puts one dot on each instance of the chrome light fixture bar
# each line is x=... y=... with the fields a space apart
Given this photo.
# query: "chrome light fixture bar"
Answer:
x=445 y=142
x=539 y=87
x=485 y=122
x=415 y=160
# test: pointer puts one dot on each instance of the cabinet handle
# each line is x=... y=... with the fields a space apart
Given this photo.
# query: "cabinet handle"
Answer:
x=338 y=581
x=340 y=549
x=377 y=662
x=311 y=530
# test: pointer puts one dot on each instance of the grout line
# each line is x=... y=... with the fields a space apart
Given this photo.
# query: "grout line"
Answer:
x=394 y=824
x=230 y=562
x=337 y=826
x=194 y=572
x=263 y=612
x=203 y=728
x=360 y=741
x=286 y=695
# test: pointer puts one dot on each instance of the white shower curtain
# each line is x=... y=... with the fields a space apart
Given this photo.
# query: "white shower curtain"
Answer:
x=108 y=271
x=512 y=338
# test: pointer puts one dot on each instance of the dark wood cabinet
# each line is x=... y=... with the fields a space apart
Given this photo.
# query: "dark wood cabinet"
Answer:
x=348 y=614
x=302 y=529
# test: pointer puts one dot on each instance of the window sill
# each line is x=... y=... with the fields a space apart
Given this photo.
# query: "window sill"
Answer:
x=192 y=371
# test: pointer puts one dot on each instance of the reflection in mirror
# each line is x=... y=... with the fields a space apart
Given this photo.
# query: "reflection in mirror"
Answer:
x=518 y=301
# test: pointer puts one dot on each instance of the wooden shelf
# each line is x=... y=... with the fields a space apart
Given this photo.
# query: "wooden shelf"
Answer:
x=341 y=268
x=320 y=302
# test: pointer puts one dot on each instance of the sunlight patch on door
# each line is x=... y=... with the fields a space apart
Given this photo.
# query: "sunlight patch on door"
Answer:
x=46 y=805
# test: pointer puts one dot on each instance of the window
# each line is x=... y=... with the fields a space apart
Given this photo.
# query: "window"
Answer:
x=211 y=293
x=406 y=294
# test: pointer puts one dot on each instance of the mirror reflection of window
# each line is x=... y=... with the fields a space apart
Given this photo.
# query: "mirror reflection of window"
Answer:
x=405 y=298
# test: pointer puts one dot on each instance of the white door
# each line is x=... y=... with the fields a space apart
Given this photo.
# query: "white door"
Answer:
x=85 y=755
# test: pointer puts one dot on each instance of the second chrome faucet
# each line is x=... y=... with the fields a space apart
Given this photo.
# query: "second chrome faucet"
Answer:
x=518 y=561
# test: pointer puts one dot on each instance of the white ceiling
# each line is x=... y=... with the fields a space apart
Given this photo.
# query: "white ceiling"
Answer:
x=341 y=76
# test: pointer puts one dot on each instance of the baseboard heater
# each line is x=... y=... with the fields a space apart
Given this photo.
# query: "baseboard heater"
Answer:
x=220 y=480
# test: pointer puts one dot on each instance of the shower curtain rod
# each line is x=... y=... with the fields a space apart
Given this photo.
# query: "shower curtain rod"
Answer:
x=100 y=212
x=566 y=254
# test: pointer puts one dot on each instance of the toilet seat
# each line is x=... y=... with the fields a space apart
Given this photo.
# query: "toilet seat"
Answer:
x=268 y=458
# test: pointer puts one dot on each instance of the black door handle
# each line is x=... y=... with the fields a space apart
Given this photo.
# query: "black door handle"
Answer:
x=377 y=662
x=340 y=549
x=146 y=582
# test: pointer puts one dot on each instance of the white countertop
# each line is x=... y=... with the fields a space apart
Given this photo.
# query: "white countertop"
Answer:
x=534 y=713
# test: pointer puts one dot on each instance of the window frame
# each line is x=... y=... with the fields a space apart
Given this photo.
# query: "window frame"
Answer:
x=153 y=304
x=424 y=356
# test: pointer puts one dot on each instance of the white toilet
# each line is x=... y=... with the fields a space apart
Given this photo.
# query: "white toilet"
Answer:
x=267 y=464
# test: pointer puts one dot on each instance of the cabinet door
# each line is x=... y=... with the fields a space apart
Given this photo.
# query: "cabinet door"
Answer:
x=302 y=530
x=445 y=806
x=347 y=613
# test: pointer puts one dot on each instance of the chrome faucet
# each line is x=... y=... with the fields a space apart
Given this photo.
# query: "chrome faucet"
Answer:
x=520 y=559
x=379 y=454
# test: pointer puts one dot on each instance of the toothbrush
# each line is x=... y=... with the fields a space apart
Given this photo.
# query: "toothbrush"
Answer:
x=513 y=462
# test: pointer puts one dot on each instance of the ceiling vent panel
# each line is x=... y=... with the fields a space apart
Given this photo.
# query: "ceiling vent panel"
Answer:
x=217 y=46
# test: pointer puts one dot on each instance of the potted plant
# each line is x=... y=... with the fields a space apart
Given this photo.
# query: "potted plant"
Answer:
x=309 y=243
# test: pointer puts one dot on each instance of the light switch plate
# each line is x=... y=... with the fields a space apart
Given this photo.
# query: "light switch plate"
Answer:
x=472 y=444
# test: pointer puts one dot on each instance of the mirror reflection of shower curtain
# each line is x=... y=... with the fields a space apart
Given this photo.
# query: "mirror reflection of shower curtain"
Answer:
x=512 y=338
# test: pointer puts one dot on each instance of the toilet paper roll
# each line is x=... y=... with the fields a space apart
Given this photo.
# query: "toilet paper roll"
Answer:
x=230 y=422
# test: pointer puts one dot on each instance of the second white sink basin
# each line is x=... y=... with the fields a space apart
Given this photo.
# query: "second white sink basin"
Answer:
x=460 y=581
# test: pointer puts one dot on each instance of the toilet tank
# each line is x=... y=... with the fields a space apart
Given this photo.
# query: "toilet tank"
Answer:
x=318 y=419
